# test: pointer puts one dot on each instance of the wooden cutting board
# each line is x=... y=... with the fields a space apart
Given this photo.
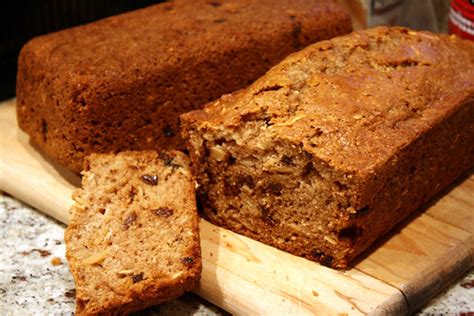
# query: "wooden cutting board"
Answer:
x=396 y=276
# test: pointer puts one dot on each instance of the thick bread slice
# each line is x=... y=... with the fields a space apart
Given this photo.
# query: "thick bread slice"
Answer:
x=133 y=238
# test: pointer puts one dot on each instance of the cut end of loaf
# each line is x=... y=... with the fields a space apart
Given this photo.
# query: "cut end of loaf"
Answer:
x=279 y=195
x=133 y=238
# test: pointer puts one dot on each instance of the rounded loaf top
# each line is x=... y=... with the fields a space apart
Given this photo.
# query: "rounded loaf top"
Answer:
x=103 y=51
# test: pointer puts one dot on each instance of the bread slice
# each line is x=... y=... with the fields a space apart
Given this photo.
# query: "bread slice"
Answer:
x=133 y=238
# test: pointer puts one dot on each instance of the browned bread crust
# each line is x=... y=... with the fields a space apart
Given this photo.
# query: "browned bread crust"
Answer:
x=339 y=142
x=120 y=83
x=133 y=239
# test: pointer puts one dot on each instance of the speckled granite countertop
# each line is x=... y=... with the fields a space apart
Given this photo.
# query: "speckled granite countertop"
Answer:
x=35 y=280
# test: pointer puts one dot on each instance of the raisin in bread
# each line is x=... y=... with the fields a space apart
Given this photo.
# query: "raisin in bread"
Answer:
x=133 y=239
x=339 y=142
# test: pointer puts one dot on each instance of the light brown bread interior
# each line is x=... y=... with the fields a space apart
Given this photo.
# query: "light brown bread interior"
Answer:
x=133 y=238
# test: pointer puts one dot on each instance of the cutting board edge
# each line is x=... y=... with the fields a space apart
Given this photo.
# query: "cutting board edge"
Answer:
x=460 y=260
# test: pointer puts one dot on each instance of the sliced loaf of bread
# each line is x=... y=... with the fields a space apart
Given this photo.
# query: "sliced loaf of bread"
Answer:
x=133 y=238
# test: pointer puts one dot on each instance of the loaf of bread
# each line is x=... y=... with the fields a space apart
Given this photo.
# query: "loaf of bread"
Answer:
x=337 y=143
x=121 y=83
x=133 y=239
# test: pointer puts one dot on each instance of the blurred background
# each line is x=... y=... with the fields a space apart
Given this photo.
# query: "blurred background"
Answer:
x=21 y=20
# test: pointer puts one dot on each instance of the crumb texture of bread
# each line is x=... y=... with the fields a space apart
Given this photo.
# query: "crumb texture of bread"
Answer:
x=337 y=143
x=133 y=239
x=121 y=83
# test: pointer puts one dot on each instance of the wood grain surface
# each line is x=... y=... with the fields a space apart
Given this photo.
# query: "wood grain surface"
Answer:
x=396 y=276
